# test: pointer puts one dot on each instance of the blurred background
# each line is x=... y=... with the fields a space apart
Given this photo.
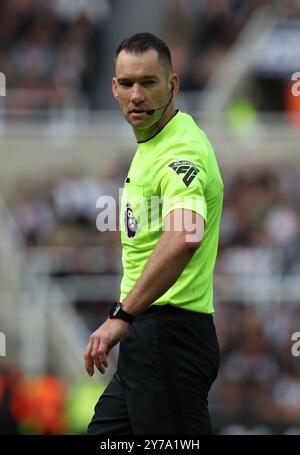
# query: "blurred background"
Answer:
x=63 y=144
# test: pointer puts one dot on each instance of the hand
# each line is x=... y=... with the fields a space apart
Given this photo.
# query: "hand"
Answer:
x=101 y=342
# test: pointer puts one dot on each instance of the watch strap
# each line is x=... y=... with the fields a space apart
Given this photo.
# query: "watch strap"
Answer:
x=117 y=312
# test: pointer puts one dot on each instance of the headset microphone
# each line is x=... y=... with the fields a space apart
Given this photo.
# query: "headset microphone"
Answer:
x=151 y=111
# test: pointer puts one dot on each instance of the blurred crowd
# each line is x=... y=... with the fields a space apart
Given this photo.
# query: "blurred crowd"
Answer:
x=261 y=210
x=45 y=404
x=259 y=380
x=61 y=210
x=53 y=52
x=208 y=28
x=50 y=53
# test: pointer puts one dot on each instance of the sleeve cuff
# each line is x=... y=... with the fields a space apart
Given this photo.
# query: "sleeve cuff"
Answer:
x=194 y=203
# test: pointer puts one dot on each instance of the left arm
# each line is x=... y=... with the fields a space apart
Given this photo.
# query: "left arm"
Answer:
x=172 y=253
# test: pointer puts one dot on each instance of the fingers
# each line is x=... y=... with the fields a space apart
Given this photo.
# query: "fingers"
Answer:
x=96 y=354
x=102 y=355
x=88 y=361
x=101 y=342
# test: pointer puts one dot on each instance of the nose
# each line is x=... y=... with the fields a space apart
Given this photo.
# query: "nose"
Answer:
x=137 y=96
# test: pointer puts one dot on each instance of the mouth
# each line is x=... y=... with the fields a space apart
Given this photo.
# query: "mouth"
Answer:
x=137 y=111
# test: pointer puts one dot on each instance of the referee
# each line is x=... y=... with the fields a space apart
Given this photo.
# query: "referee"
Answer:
x=169 y=353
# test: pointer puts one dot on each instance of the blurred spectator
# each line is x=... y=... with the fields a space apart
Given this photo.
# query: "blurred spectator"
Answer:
x=292 y=103
x=39 y=405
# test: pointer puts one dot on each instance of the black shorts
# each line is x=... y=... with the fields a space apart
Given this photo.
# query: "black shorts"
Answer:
x=167 y=363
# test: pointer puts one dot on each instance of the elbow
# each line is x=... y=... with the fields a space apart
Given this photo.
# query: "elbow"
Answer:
x=190 y=242
x=192 y=245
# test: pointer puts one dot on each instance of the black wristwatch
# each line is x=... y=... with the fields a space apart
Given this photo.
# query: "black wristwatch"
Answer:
x=117 y=312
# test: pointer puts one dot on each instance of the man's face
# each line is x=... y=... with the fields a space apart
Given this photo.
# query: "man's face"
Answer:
x=141 y=83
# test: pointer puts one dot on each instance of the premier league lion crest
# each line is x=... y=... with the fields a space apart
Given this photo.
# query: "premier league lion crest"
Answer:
x=130 y=222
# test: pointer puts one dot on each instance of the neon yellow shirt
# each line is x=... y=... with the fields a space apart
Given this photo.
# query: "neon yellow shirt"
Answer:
x=178 y=165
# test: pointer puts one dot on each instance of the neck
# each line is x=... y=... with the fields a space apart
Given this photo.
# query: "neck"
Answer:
x=147 y=133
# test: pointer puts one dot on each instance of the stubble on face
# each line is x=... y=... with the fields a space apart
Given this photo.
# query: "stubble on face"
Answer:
x=142 y=84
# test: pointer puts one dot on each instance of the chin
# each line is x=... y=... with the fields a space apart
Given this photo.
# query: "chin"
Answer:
x=140 y=124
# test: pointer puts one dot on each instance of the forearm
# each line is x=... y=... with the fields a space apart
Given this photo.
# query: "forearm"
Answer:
x=163 y=268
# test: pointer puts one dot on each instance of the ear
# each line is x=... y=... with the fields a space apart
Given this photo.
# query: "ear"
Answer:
x=175 y=83
x=114 y=86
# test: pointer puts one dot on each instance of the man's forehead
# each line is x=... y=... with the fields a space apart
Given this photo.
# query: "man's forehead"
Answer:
x=138 y=65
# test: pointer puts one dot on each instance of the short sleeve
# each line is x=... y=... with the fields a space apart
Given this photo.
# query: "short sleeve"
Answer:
x=181 y=180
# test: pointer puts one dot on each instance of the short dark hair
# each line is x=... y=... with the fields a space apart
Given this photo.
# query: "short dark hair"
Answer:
x=142 y=42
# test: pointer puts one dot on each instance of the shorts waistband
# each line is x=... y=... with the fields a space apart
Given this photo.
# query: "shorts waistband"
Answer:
x=170 y=310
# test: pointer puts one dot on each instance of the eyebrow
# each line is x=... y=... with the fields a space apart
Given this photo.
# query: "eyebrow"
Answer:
x=127 y=79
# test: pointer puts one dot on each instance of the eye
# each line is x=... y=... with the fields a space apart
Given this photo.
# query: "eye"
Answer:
x=126 y=84
x=148 y=82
